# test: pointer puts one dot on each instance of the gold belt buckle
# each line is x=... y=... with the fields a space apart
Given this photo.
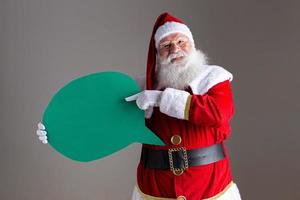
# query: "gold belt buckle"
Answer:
x=178 y=171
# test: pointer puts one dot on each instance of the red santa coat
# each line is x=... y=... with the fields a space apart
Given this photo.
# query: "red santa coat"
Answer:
x=201 y=117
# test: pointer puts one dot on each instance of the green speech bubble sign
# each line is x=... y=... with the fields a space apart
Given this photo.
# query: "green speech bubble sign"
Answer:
x=89 y=119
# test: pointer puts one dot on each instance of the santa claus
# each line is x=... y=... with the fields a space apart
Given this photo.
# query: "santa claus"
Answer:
x=188 y=104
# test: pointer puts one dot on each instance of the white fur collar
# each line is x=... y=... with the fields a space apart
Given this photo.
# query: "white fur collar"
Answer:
x=210 y=76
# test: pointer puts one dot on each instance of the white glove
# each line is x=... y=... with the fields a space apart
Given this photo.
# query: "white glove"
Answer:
x=148 y=112
x=146 y=99
x=42 y=133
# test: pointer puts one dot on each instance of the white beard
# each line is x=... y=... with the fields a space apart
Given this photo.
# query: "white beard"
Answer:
x=179 y=75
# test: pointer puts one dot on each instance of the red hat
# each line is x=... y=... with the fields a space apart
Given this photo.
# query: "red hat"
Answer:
x=165 y=24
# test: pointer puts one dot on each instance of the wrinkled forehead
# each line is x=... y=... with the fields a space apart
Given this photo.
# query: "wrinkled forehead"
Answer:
x=174 y=37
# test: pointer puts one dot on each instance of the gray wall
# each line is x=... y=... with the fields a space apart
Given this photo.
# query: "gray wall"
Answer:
x=45 y=44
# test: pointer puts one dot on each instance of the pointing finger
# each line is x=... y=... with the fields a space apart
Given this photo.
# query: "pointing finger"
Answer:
x=133 y=97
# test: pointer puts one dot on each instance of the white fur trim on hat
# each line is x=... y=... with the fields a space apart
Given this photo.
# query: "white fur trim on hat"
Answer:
x=172 y=27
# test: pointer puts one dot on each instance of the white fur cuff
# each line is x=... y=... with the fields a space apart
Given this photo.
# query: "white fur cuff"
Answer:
x=173 y=102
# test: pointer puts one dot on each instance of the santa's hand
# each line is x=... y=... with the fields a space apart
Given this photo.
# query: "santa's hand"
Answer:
x=42 y=133
x=146 y=99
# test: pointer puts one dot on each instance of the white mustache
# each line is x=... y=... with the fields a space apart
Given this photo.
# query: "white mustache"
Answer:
x=176 y=55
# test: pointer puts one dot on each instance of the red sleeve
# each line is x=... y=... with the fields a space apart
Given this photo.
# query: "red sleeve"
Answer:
x=212 y=108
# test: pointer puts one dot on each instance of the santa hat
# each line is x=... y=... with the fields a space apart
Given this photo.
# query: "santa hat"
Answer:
x=165 y=24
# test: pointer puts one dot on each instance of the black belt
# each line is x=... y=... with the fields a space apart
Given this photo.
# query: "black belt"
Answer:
x=179 y=159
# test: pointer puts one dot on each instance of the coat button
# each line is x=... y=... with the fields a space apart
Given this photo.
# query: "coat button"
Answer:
x=176 y=139
x=181 y=198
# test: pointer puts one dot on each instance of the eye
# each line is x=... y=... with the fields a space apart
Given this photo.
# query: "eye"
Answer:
x=165 y=46
x=181 y=42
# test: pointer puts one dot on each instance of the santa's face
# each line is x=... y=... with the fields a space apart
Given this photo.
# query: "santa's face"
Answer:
x=177 y=62
x=174 y=48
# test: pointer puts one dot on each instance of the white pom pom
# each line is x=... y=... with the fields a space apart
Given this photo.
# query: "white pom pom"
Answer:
x=44 y=141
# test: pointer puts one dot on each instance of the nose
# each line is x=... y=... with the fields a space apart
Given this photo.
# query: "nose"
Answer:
x=174 y=48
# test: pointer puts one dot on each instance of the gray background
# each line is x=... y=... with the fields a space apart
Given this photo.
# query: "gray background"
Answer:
x=45 y=44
